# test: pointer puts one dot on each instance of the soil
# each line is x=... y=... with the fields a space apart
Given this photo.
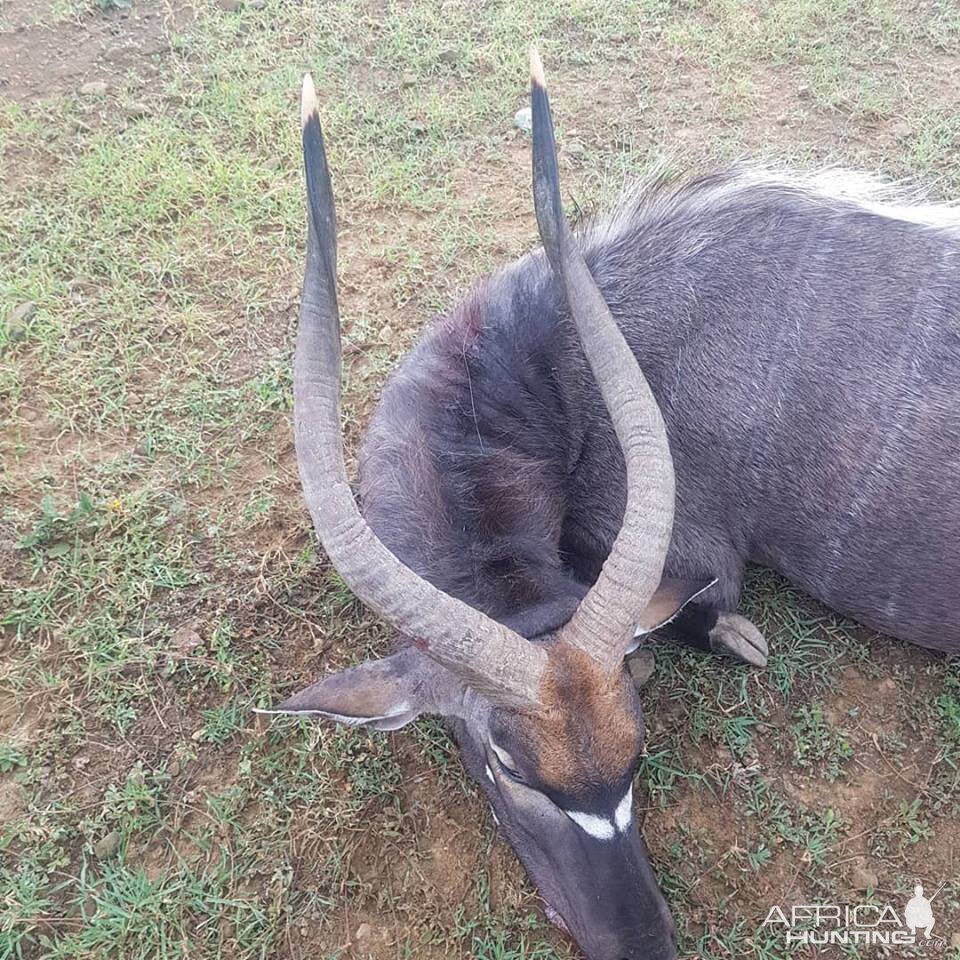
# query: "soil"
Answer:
x=42 y=58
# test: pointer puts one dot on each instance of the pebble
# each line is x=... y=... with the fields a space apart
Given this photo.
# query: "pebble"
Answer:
x=386 y=333
x=136 y=111
x=864 y=878
x=641 y=666
x=574 y=148
x=408 y=80
x=523 y=119
x=185 y=639
x=13 y=801
x=901 y=130
x=955 y=941
x=94 y=88
x=363 y=932
x=230 y=6
x=257 y=4
x=107 y=845
x=18 y=320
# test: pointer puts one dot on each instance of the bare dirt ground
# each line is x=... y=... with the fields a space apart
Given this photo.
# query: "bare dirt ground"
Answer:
x=157 y=573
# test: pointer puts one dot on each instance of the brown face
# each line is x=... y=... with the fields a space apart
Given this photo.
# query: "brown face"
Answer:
x=583 y=743
x=559 y=779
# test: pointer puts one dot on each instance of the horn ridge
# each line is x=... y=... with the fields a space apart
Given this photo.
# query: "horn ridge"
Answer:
x=604 y=623
x=486 y=655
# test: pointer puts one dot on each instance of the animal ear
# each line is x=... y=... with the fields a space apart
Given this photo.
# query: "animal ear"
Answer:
x=670 y=598
x=383 y=694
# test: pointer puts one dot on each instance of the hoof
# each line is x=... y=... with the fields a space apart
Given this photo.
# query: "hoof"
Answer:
x=735 y=636
x=641 y=666
x=556 y=919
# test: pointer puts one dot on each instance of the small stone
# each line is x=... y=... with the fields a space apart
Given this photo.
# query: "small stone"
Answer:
x=273 y=163
x=386 y=333
x=363 y=932
x=955 y=940
x=797 y=790
x=864 y=879
x=173 y=768
x=18 y=320
x=13 y=801
x=185 y=639
x=641 y=666
x=783 y=120
x=137 y=111
x=107 y=845
x=804 y=93
x=408 y=80
x=523 y=119
x=574 y=148
x=257 y=4
x=230 y=6
x=448 y=56
x=901 y=130
x=94 y=88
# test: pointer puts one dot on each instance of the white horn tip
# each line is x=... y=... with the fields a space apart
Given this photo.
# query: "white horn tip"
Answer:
x=308 y=100
x=536 y=67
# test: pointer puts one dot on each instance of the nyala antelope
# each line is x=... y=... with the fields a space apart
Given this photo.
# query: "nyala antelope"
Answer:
x=526 y=522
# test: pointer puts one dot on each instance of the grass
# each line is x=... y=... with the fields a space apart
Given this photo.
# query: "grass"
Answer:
x=158 y=577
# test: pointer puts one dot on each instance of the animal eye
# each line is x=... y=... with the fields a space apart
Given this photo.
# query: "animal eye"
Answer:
x=511 y=772
x=506 y=764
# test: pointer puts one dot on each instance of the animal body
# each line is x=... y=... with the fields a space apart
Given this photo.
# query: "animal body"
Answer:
x=533 y=503
x=803 y=344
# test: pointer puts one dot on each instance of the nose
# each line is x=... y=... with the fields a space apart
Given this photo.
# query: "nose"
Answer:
x=658 y=941
x=655 y=950
x=655 y=942
x=659 y=950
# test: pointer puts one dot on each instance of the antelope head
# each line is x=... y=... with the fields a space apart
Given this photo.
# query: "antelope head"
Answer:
x=551 y=729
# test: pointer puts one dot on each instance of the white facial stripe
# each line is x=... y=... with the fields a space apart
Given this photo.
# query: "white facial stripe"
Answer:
x=490 y=774
x=623 y=815
x=600 y=828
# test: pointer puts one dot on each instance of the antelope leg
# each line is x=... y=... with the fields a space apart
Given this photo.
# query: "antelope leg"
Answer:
x=736 y=636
